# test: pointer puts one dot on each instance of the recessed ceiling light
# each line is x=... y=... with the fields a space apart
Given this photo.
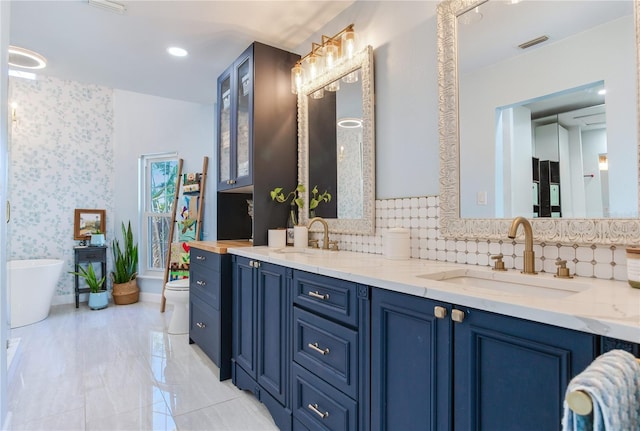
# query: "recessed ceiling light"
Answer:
x=602 y=92
x=25 y=59
x=177 y=52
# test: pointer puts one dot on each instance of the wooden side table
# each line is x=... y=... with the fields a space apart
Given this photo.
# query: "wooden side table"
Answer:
x=89 y=255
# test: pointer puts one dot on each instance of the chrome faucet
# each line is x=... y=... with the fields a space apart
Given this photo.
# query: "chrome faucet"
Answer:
x=325 y=238
x=529 y=255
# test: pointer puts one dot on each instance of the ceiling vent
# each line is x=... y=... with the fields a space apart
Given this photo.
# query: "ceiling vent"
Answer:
x=533 y=42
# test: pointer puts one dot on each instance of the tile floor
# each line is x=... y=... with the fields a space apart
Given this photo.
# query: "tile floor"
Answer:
x=116 y=369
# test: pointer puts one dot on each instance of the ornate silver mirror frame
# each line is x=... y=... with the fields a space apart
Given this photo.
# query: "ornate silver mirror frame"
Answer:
x=363 y=60
x=568 y=231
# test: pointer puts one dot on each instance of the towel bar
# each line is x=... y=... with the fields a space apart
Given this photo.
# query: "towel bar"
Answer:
x=580 y=402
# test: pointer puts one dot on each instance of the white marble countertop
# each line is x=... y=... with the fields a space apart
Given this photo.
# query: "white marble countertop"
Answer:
x=601 y=307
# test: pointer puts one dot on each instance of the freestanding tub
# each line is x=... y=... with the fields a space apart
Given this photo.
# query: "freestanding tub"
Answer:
x=32 y=283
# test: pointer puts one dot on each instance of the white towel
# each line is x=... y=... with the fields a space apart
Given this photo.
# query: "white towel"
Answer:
x=612 y=381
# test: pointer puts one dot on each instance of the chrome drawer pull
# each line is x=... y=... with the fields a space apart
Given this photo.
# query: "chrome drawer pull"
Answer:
x=201 y=283
x=201 y=325
x=314 y=346
x=201 y=257
x=319 y=295
x=314 y=408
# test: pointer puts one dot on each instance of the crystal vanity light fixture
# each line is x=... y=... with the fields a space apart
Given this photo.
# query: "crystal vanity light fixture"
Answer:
x=322 y=58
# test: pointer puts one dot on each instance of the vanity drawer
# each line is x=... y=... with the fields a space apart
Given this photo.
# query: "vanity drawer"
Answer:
x=330 y=297
x=204 y=258
x=327 y=349
x=204 y=328
x=205 y=283
x=320 y=406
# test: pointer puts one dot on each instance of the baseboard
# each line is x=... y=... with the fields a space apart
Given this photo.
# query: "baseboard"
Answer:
x=151 y=297
x=84 y=297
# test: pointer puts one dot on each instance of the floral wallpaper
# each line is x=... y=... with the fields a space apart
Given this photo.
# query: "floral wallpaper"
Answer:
x=61 y=158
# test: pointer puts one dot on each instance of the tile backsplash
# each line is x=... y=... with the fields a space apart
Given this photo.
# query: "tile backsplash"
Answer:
x=420 y=216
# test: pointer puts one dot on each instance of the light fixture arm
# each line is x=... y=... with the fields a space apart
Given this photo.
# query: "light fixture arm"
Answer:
x=315 y=47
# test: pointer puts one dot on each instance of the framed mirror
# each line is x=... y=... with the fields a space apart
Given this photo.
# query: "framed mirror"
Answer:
x=477 y=191
x=336 y=144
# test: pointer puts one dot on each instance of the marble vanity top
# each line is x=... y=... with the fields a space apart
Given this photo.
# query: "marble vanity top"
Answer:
x=602 y=307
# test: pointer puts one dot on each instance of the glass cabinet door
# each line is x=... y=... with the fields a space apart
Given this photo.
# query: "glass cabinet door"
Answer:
x=224 y=130
x=244 y=86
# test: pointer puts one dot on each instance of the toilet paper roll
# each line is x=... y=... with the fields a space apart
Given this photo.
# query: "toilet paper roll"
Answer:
x=277 y=238
x=300 y=237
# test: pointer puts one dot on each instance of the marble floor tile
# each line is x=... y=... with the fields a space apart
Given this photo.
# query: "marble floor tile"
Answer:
x=70 y=420
x=243 y=413
x=117 y=369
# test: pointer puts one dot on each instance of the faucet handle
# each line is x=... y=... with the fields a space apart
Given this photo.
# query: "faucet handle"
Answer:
x=563 y=271
x=314 y=243
x=499 y=264
x=333 y=245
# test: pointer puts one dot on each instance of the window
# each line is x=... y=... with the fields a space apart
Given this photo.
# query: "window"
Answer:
x=158 y=176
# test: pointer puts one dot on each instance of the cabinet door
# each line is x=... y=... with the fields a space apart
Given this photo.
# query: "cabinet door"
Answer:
x=225 y=126
x=244 y=316
x=410 y=363
x=243 y=75
x=511 y=374
x=273 y=330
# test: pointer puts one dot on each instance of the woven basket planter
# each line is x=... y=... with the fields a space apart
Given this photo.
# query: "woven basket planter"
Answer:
x=126 y=293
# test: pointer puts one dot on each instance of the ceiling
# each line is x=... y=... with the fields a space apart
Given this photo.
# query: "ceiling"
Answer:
x=128 y=51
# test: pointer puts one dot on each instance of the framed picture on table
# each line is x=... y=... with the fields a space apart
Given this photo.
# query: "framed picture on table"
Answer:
x=88 y=221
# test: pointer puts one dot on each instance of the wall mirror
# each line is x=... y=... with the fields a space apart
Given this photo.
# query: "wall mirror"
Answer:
x=336 y=144
x=495 y=94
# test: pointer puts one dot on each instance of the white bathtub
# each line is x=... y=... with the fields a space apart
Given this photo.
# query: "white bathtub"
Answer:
x=32 y=284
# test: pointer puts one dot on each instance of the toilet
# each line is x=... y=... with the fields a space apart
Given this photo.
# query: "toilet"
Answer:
x=176 y=293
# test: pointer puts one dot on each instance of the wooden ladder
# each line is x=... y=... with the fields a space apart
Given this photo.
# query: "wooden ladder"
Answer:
x=176 y=197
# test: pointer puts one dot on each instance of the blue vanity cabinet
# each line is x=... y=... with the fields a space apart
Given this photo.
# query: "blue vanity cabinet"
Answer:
x=512 y=374
x=330 y=371
x=410 y=363
x=210 y=306
x=441 y=367
x=262 y=334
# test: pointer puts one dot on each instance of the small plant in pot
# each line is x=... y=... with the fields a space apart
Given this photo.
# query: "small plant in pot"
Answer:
x=125 y=268
x=98 y=299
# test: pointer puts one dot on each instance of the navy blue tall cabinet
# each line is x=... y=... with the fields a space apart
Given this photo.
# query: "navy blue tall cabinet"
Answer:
x=261 y=334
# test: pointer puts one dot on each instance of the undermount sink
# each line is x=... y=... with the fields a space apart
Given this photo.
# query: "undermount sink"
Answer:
x=511 y=282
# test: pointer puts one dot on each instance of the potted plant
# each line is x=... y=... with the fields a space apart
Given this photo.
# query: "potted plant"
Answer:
x=98 y=299
x=297 y=200
x=125 y=268
x=316 y=198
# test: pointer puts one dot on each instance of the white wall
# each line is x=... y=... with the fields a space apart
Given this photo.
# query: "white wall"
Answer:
x=594 y=143
x=146 y=124
x=403 y=35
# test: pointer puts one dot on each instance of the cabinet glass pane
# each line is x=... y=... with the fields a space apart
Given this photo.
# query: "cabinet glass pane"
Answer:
x=224 y=171
x=244 y=86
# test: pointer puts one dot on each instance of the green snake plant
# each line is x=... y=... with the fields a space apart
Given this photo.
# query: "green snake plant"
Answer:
x=125 y=259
